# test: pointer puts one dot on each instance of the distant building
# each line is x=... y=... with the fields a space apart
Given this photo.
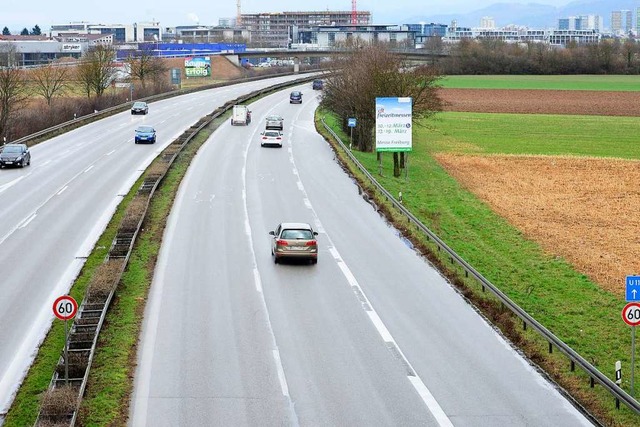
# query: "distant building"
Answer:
x=329 y=36
x=280 y=29
x=487 y=22
x=621 y=22
x=591 y=22
x=204 y=34
x=122 y=33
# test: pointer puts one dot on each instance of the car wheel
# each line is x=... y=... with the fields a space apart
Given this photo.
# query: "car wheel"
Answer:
x=275 y=259
x=314 y=261
x=22 y=163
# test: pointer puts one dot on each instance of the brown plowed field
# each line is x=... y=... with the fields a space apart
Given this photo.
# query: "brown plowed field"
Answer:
x=542 y=101
x=582 y=209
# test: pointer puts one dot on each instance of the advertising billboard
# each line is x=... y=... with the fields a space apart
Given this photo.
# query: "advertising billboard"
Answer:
x=197 y=66
x=393 y=124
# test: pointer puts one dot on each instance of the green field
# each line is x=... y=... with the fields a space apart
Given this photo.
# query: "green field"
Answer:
x=547 y=287
x=484 y=133
x=563 y=82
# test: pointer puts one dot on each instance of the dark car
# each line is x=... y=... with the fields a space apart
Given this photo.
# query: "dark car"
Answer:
x=294 y=240
x=318 y=85
x=145 y=134
x=295 y=97
x=139 y=107
x=15 y=155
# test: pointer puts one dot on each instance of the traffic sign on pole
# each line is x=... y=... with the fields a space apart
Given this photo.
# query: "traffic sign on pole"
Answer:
x=631 y=314
x=633 y=288
x=65 y=307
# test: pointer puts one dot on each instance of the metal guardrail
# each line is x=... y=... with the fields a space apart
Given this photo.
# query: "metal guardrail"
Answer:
x=147 y=188
x=592 y=371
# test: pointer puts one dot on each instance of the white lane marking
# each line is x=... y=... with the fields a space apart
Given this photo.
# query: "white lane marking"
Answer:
x=110 y=152
x=45 y=163
x=63 y=190
x=431 y=403
x=258 y=283
x=26 y=222
x=11 y=183
x=89 y=168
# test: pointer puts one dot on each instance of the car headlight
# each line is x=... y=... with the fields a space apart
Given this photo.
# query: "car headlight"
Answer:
x=17 y=159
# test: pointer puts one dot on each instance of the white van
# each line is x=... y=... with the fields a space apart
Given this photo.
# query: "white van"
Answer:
x=241 y=115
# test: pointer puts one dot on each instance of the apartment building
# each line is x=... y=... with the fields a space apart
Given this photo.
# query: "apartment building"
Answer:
x=279 y=29
x=621 y=22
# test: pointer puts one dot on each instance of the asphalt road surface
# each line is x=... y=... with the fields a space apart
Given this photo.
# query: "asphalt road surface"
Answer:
x=371 y=335
x=52 y=213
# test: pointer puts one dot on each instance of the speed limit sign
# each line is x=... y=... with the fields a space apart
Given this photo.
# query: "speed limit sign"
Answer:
x=65 y=307
x=631 y=314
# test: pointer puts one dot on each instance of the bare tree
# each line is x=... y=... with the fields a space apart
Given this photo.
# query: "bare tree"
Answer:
x=144 y=66
x=372 y=71
x=50 y=80
x=13 y=86
x=97 y=69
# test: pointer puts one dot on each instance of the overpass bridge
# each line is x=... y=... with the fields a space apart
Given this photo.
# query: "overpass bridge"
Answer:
x=419 y=55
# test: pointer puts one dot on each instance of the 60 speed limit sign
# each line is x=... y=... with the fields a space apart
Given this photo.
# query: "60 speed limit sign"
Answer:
x=65 y=307
x=631 y=314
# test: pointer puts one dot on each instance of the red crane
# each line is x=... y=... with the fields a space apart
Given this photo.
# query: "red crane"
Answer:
x=354 y=13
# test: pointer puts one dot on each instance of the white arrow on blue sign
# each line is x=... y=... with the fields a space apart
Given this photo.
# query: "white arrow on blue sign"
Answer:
x=633 y=288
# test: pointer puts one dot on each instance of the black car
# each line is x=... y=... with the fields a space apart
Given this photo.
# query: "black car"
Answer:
x=318 y=85
x=295 y=97
x=145 y=134
x=139 y=107
x=15 y=155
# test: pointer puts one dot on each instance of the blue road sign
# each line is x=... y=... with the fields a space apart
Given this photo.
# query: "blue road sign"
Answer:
x=351 y=122
x=633 y=288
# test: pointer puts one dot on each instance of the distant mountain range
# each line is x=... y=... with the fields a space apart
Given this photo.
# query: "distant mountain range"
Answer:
x=532 y=15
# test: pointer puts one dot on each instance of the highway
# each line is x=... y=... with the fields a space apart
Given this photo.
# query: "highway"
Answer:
x=371 y=335
x=52 y=213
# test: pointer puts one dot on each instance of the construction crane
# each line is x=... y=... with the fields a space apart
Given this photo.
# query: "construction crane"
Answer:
x=238 y=14
x=354 y=13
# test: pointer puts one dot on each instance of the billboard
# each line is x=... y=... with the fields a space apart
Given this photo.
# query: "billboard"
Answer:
x=393 y=124
x=197 y=66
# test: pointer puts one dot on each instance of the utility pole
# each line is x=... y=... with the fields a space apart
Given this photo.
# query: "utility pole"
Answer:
x=238 y=14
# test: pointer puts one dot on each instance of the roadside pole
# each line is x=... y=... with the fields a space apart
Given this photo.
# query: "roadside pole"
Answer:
x=65 y=308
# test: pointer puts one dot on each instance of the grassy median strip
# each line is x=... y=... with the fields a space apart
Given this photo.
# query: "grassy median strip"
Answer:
x=24 y=409
x=547 y=287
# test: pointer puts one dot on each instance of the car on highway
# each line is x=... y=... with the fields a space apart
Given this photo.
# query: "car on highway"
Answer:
x=139 y=107
x=317 y=85
x=294 y=240
x=295 y=97
x=15 y=155
x=145 y=134
x=274 y=122
x=271 y=137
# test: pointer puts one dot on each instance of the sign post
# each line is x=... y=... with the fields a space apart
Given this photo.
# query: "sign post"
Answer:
x=631 y=316
x=65 y=308
x=351 y=122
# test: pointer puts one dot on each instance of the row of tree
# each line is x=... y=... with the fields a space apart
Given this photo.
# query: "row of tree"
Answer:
x=93 y=74
x=488 y=56
x=35 y=31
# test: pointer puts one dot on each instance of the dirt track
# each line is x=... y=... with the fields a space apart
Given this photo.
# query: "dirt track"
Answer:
x=578 y=208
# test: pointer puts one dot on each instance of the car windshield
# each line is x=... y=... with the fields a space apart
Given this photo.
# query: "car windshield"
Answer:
x=297 y=234
x=12 y=149
x=139 y=104
x=272 y=134
x=144 y=129
x=274 y=118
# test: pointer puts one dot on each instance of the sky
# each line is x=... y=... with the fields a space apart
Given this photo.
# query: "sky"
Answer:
x=19 y=14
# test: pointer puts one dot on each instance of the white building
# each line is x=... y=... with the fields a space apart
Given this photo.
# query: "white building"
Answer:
x=487 y=22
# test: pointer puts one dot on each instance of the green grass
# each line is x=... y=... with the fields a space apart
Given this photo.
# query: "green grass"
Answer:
x=555 y=82
x=485 y=133
x=547 y=287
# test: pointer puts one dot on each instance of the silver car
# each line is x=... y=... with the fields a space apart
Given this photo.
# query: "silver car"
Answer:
x=294 y=240
x=275 y=122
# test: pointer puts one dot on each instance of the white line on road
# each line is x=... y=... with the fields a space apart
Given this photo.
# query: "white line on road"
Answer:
x=26 y=222
x=89 y=168
x=110 y=152
x=62 y=190
x=432 y=405
x=11 y=183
